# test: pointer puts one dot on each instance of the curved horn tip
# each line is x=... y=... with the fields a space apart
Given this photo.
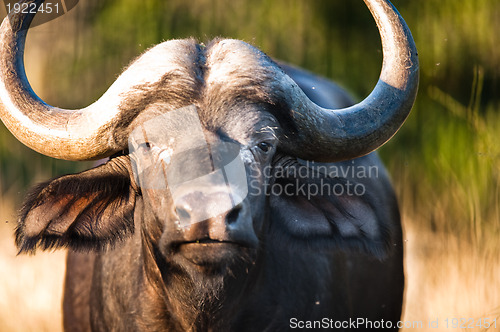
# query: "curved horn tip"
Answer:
x=340 y=134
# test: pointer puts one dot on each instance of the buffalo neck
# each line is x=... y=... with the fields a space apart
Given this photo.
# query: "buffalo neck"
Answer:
x=192 y=298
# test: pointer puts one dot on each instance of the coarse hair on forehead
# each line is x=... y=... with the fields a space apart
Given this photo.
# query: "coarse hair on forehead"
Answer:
x=218 y=78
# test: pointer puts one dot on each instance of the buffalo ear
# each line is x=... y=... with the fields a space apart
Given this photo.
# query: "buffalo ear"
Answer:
x=89 y=210
x=321 y=212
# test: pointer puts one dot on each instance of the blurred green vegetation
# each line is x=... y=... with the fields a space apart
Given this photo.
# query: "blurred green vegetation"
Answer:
x=445 y=161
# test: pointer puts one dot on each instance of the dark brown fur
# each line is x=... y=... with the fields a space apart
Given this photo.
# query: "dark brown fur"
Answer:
x=132 y=274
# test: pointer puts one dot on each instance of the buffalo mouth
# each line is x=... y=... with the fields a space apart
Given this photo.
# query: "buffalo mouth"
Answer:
x=207 y=251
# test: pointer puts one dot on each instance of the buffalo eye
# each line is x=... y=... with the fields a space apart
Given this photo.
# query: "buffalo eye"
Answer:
x=265 y=146
x=146 y=146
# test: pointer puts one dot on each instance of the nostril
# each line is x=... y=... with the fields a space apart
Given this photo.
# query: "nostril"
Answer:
x=183 y=213
x=232 y=216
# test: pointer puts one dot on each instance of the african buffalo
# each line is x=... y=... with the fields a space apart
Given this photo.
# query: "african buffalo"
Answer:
x=210 y=214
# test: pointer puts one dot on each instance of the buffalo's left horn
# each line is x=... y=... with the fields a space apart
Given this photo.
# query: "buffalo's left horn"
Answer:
x=67 y=134
x=334 y=135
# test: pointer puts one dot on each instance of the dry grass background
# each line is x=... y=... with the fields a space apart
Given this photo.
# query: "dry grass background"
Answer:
x=449 y=278
x=30 y=286
x=446 y=278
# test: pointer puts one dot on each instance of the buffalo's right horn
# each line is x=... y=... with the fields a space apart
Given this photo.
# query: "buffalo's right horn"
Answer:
x=80 y=134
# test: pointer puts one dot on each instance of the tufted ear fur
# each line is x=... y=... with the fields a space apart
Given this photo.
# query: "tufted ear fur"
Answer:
x=89 y=210
x=321 y=211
